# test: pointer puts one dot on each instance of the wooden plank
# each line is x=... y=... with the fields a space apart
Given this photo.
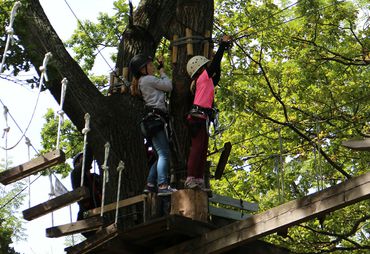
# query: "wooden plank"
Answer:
x=121 y=203
x=80 y=226
x=286 y=215
x=241 y=204
x=31 y=167
x=224 y=157
x=56 y=203
x=101 y=237
x=358 y=145
x=227 y=213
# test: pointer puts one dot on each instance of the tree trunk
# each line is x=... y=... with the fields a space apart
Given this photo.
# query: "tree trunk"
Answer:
x=115 y=118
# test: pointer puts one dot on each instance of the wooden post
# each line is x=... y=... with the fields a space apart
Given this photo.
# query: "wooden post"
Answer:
x=189 y=45
x=124 y=88
x=190 y=203
x=174 y=49
x=206 y=44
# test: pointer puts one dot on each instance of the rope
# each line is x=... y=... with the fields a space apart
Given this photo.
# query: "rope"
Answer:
x=10 y=31
x=28 y=143
x=85 y=131
x=105 y=175
x=41 y=82
x=120 y=168
x=60 y=111
x=5 y=134
x=190 y=39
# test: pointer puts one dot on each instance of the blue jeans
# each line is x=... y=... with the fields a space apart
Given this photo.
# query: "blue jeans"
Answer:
x=158 y=172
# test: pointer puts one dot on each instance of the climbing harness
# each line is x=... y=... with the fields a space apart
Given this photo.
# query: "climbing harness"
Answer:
x=10 y=32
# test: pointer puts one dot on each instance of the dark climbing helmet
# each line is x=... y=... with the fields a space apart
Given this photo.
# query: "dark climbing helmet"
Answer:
x=137 y=62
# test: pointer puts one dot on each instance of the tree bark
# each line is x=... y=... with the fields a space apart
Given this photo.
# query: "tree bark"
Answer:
x=115 y=118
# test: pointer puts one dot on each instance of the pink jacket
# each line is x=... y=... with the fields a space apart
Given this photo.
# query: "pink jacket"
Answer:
x=204 y=91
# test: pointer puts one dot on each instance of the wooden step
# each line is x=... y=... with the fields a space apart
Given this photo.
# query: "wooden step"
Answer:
x=31 y=167
x=121 y=203
x=358 y=145
x=54 y=204
x=80 y=226
x=101 y=237
x=224 y=157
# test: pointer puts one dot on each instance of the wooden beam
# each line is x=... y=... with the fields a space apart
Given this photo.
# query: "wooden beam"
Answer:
x=80 y=226
x=285 y=215
x=241 y=204
x=121 y=203
x=54 y=204
x=101 y=237
x=227 y=213
x=31 y=167
x=224 y=157
x=359 y=145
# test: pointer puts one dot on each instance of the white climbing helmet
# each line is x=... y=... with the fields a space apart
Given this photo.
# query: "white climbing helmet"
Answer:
x=195 y=63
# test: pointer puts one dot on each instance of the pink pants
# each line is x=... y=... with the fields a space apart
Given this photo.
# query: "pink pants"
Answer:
x=198 y=152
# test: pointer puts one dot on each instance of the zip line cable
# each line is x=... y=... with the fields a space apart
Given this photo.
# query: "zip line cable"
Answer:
x=91 y=39
x=287 y=21
x=268 y=18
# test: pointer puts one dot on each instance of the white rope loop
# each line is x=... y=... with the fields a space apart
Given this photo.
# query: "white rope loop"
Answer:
x=10 y=31
x=120 y=168
x=44 y=66
x=85 y=131
x=105 y=175
x=60 y=111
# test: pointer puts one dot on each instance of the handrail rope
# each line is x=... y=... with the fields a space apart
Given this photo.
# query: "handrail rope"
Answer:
x=285 y=22
x=105 y=176
x=84 y=132
x=120 y=168
x=28 y=143
x=10 y=31
x=268 y=18
x=5 y=134
x=60 y=111
x=41 y=83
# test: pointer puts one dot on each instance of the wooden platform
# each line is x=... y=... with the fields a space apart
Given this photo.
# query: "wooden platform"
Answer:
x=358 y=144
x=31 y=167
x=164 y=232
x=56 y=203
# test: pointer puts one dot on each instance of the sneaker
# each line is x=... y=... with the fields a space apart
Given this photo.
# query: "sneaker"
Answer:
x=166 y=191
x=201 y=185
x=150 y=189
x=190 y=183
